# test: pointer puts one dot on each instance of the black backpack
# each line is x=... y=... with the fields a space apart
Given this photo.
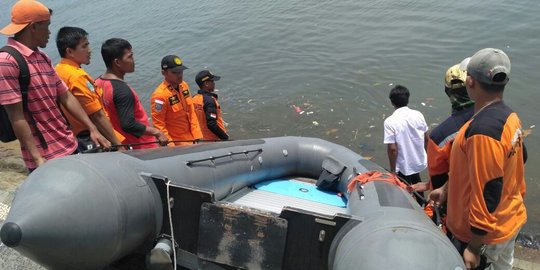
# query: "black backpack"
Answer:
x=6 y=131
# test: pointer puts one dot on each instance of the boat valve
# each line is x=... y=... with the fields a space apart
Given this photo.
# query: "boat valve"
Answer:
x=159 y=257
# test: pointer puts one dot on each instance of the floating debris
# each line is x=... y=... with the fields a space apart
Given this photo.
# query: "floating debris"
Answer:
x=331 y=131
x=297 y=109
x=532 y=126
x=372 y=126
x=315 y=123
x=308 y=113
x=249 y=101
x=423 y=104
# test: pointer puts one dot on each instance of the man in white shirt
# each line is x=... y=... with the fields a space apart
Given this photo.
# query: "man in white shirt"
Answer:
x=406 y=138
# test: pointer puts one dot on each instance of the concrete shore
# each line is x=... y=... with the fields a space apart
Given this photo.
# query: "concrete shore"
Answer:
x=13 y=173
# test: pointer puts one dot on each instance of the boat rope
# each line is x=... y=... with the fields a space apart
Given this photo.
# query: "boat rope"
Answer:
x=129 y=146
x=429 y=209
x=170 y=222
x=375 y=176
x=230 y=154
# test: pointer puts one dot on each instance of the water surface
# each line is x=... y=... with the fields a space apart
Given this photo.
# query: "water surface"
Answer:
x=336 y=60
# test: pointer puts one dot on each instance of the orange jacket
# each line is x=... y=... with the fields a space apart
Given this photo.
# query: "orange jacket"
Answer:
x=440 y=143
x=173 y=113
x=486 y=183
x=83 y=87
x=209 y=115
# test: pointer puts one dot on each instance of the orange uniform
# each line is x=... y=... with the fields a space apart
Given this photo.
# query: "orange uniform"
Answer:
x=486 y=180
x=209 y=115
x=173 y=113
x=83 y=87
x=440 y=143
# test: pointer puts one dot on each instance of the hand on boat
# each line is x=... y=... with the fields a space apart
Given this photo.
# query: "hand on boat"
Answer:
x=163 y=140
x=99 y=140
x=40 y=161
x=420 y=187
x=438 y=196
x=470 y=259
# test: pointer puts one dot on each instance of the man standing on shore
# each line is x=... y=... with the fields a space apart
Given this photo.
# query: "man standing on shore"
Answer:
x=441 y=137
x=207 y=107
x=486 y=184
x=121 y=101
x=172 y=107
x=405 y=137
x=39 y=125
x=74 y=50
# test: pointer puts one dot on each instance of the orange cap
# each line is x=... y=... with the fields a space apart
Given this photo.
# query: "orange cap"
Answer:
x=23 y=13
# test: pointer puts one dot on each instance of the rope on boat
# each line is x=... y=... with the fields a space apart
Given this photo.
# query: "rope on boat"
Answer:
x=168 y=183
x=115 y=147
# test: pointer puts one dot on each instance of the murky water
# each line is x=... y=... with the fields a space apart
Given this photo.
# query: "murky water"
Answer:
x=336 y=60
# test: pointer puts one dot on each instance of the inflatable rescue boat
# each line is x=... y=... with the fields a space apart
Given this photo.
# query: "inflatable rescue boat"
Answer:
x=276 y=203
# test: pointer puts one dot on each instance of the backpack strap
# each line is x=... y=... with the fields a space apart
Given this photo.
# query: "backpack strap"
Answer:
x=24 y=82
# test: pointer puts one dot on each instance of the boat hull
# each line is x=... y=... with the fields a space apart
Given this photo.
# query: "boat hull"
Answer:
x=89 y=211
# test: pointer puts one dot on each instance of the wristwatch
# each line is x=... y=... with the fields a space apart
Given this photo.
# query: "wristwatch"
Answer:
x=477 y=250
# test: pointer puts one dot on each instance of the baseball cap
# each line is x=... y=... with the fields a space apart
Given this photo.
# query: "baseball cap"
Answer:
x=204 y=76
x=490 y=66
x=172 y=63
x=455 y=77
x=23 y=13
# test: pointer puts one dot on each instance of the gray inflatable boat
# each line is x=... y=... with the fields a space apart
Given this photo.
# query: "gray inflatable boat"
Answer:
x=249 y=204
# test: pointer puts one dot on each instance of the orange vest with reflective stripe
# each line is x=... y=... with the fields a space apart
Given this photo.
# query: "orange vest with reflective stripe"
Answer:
x=173 y=113
x=198 y=101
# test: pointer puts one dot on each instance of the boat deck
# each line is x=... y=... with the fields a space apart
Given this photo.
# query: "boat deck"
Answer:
x=275 y=202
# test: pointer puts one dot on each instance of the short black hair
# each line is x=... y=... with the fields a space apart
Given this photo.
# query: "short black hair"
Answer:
x=113 y=49
x=69 y=37
x=399 y=96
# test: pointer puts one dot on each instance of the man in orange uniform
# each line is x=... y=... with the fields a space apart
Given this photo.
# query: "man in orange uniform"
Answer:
x=207 y=107
x=486 y=184
x=73 y=46
x=441 y=137
x=172 y=107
